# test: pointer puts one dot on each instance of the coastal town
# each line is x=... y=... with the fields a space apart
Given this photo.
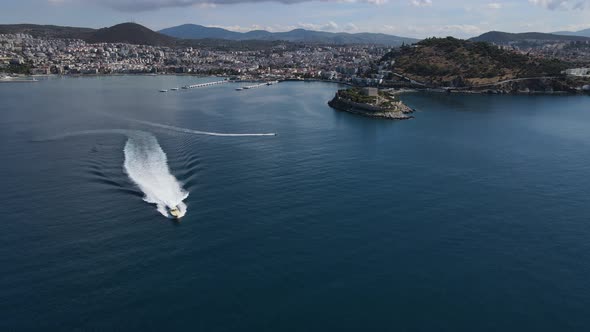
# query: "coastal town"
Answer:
x=22 y=53
x=357 y=64
x=437 y=64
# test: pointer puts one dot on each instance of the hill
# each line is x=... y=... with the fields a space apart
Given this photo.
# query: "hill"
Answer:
x=499 y=37
x=47 y=31
x=191 y=34
x=453 y=62
x=131 y=33
x=193 y=31
x=583 y=33
x=121 y=33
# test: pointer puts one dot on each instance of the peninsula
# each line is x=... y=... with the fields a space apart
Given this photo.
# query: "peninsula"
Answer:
x=456 y=65
x=371 y=102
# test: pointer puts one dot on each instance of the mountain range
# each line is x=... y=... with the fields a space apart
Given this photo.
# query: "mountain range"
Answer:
x=583 y=33
x=504 y=37
x=194 y=31
x=198 y=35
x=188 y=34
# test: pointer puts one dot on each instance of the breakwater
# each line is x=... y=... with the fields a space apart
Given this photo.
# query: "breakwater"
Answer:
x=257 y=85
x=202 y=85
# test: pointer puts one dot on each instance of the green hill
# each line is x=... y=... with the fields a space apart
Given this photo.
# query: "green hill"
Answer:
x=131 y=33
x=47 y=31
x=458 y=63
x=121 y=33
x=505 y=37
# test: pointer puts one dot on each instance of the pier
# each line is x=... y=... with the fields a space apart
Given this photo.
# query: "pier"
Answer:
x=202 y=85
x=257 y=85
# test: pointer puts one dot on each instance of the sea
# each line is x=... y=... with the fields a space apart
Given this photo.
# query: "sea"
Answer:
x=473 y=216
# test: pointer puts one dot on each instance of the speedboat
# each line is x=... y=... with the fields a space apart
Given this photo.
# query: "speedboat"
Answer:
x=239 y=89
x=174 y=89
x=163 y=90
x=174 y=212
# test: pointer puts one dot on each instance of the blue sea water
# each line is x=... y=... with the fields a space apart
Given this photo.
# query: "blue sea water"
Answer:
x=474 y=216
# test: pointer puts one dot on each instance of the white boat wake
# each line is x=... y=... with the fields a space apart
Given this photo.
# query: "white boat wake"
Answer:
x=146 y=165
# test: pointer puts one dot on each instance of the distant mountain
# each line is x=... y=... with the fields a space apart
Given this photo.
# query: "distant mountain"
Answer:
x=47 y=31
x=582 y=33
x=186 y=34
x=131 y=33
x=194 y=31
x=121 y=33
x=499 y=37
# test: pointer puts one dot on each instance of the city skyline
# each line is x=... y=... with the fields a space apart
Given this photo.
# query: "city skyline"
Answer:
x=410 y=18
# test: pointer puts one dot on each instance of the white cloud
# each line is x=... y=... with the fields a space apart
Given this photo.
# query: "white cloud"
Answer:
x=562 y=4
x=330 y=26
x=456 y=30
x=148 y=5
x=373 y=2
x=351 y=27
x=206 y=5
x=464 y=29
x=494 y=5
x=421 y=3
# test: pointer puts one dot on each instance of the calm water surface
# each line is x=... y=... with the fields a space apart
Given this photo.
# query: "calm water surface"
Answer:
x=472 y=217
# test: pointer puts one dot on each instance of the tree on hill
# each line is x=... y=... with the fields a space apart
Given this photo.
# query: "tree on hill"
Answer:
x=454 y=62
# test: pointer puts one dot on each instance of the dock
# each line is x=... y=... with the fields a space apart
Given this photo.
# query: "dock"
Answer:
x=202 y=85
x=257 y=85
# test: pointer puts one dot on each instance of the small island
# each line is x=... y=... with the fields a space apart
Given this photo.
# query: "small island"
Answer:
x=371 y=102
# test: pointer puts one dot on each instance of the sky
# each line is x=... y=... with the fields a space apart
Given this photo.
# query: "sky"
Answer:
x=408 y=18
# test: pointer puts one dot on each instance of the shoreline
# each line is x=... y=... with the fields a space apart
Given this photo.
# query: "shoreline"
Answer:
x=392 y=91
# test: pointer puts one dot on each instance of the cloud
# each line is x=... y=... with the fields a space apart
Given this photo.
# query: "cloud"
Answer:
x=148 y=5
x=464 y=29
x=206 y=5
x=330 y=26
x=351 y=27
x=562 y=4
x=458 y=30
x=389 y=28
x=421 y=3
x=494 y=5
x=270 y=28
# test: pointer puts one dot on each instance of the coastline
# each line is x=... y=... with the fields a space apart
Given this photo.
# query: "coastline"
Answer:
x=392 y=91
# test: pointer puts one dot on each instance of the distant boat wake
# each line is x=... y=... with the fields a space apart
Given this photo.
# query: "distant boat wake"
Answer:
x=186 y=130
x=197 y=132
x=146 y=165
